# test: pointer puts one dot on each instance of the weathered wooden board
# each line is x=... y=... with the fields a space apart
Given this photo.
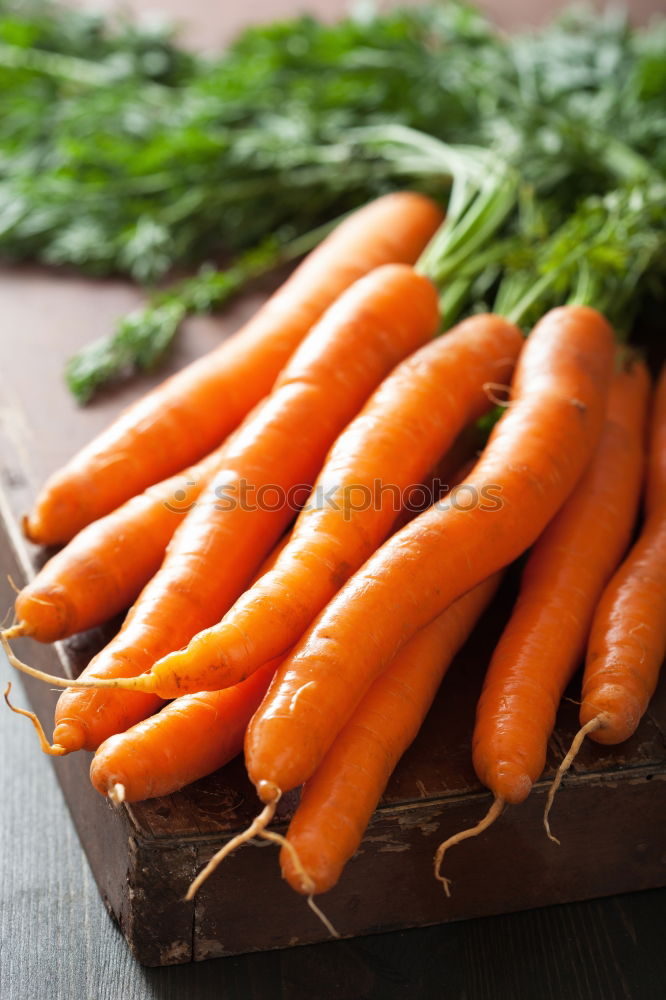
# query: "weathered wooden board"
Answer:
x=610 y=815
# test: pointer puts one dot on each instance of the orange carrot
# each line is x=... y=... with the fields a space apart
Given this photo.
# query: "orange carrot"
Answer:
x=210 y=732
x=338 y=800
x=563 y=579
x=217 y=548
x=534 y=457
x=192 y=412
x=191 y=737
x=408 y=423
x=628 y=638
x=102 y=570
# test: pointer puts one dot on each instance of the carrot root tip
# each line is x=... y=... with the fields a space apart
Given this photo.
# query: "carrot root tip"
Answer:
x=567 y=761
x=141 y=683
x=24 y=668
x=446 y=883
x=322 y=916
x=256 y=827
x=52 y=749
x=70 y=734
x=307 y=884
x=117 y=793
x=15 y=631
x=474 y=831
x=268 y=791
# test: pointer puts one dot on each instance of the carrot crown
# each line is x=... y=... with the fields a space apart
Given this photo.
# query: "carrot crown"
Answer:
x=484 y=192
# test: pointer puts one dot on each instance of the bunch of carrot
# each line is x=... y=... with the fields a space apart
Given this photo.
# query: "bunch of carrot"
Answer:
x=320 y=645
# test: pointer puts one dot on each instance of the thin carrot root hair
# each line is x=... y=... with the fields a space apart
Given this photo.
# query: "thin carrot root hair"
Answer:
x=16 y=631
x=52 y=749
x=568 y=760
x=10 y=613
x=117 y=793
x=306 y=880
x=127 y=683
x=256 y=827
x=493 y=813
x=492 y=388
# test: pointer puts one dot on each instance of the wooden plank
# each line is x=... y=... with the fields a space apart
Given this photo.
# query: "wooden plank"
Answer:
x=57 y=941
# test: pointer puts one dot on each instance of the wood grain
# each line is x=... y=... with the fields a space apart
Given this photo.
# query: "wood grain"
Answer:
x=57 y=942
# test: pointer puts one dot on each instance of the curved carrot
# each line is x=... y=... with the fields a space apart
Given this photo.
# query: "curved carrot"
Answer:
x=410 y=420
x=214 y=553
x=102 y=570
x=338 y=800
x=190 y=738
x=628 y=640
x=535 y=455
x=193 y=411
x=563 y=579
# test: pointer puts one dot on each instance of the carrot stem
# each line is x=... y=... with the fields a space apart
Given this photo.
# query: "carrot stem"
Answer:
x=493 y=813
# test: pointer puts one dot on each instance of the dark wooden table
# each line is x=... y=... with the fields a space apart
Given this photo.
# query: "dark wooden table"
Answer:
x=56 y=940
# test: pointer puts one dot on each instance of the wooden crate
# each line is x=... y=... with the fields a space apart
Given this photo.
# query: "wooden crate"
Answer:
x=609 y=815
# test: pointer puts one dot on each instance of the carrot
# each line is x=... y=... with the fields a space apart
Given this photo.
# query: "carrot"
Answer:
x=452 y=468
x=535 y=455
x=217 y=548
x=408 y=423
x=103 y=569
x=338 y=800
x=193 y=411
x=190 y=738
x=628 y=638
x=122 y=764
x=561 y=584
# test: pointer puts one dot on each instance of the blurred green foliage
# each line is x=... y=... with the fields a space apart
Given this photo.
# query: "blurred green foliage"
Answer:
x=122 y=152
